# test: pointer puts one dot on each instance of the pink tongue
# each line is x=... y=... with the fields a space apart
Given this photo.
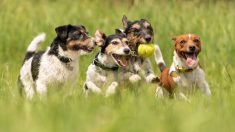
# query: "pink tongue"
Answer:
x=191 y=61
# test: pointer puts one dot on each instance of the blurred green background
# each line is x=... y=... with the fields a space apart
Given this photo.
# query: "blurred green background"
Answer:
x=136 y=109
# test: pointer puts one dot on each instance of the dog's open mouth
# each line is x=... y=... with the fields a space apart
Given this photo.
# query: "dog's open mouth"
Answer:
x=121 y=60
x=191 y=58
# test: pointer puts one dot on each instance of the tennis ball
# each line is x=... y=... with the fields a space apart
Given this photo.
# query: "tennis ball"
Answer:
x=146 y=50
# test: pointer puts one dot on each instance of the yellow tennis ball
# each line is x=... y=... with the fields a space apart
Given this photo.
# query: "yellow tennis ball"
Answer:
x=146 y=50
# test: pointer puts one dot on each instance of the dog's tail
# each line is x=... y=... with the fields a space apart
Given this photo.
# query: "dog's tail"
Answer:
x=158 y=58
x=34 y=45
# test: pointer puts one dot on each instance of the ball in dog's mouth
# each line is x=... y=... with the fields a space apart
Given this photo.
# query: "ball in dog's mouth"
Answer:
x=121 y=60
x=191 y=58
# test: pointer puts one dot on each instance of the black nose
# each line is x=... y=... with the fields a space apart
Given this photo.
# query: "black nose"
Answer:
x=148 y=38
x=126 y=51
x=192 y=48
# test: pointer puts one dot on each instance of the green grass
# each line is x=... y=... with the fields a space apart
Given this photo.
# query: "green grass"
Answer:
x=133 y=110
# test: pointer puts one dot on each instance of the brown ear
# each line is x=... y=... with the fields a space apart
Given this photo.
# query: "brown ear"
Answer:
x=125 y=22
x=99 y=38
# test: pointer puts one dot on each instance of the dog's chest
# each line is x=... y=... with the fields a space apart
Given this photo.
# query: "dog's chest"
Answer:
x=188 y=80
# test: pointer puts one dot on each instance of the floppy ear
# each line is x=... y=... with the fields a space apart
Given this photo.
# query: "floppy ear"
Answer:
x=118 y=31
x=99 y=38
x=62 y=31
x=125 y=22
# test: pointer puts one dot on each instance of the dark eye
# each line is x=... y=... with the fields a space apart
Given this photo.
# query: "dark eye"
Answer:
x=114 y=42
x=136 y=30
x=182 y=42
x=196 y=40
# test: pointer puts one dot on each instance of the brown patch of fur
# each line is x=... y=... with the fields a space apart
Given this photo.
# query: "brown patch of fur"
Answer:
x=109 y=49
x=146 y=24
x=166 y=81
x=78 y=43
x=136 y=25
x=133 y=40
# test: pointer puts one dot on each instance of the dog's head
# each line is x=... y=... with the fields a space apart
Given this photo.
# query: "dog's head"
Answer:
x=188 y=47
x=114 y=45
x=75 y=38
x=138 y=32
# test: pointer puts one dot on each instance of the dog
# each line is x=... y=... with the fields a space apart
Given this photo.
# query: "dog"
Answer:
x=185 y=74
x=139 y=32
x=58 y=64
x=114 y=53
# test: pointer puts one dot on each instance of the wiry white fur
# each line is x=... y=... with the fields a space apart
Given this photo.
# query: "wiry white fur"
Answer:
x=186 y=81
x=35 y=42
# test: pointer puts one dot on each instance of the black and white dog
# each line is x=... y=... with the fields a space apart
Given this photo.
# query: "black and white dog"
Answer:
x=103 y=71
x=58 y=64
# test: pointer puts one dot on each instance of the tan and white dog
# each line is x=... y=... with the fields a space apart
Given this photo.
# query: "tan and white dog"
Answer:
x=185 y=74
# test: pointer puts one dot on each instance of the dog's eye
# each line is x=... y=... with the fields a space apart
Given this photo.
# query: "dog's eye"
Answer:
x=114 y=42
x=196 y=40
x=182 y=42
x=136 y=30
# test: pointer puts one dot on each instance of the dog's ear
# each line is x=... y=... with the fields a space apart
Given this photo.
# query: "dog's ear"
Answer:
x=118 y=31
x=99 y=38
x=125 y=22
x=62 y=31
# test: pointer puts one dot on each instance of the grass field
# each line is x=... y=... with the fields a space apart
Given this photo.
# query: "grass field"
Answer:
x=136 y=110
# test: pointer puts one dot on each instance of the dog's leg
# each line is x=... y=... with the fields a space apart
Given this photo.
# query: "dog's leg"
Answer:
x=204 y=87
x=149 y=75
x=41 y=88
x=202 y=84
x=29 y=90
x=111 y=89
x=90 y=86
x=159 y=92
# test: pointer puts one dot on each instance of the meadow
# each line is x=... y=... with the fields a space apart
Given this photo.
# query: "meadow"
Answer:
x=136 y=108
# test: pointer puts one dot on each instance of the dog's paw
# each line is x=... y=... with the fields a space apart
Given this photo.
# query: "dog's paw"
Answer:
x=134 y=78
x=159 y=93
x=152 y=78
x=111 y=89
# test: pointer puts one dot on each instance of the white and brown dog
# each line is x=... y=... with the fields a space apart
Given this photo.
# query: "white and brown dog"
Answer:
x=185 y=73
x=58 y=64
x=103 y=73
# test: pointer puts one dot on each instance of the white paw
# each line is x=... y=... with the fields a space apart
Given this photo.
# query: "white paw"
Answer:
x=159 y=92
x=150 y=78
x=134 y=78
x=111 y=89
x=30 y=94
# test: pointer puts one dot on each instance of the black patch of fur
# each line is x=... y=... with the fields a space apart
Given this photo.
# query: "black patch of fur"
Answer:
x=161 y=66
x=28 y=55
x=35 y=64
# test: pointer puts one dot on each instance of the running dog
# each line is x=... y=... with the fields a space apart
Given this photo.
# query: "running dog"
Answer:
x=185 y=73
x=114 y=53
x=58 y=64
x=139 y=32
